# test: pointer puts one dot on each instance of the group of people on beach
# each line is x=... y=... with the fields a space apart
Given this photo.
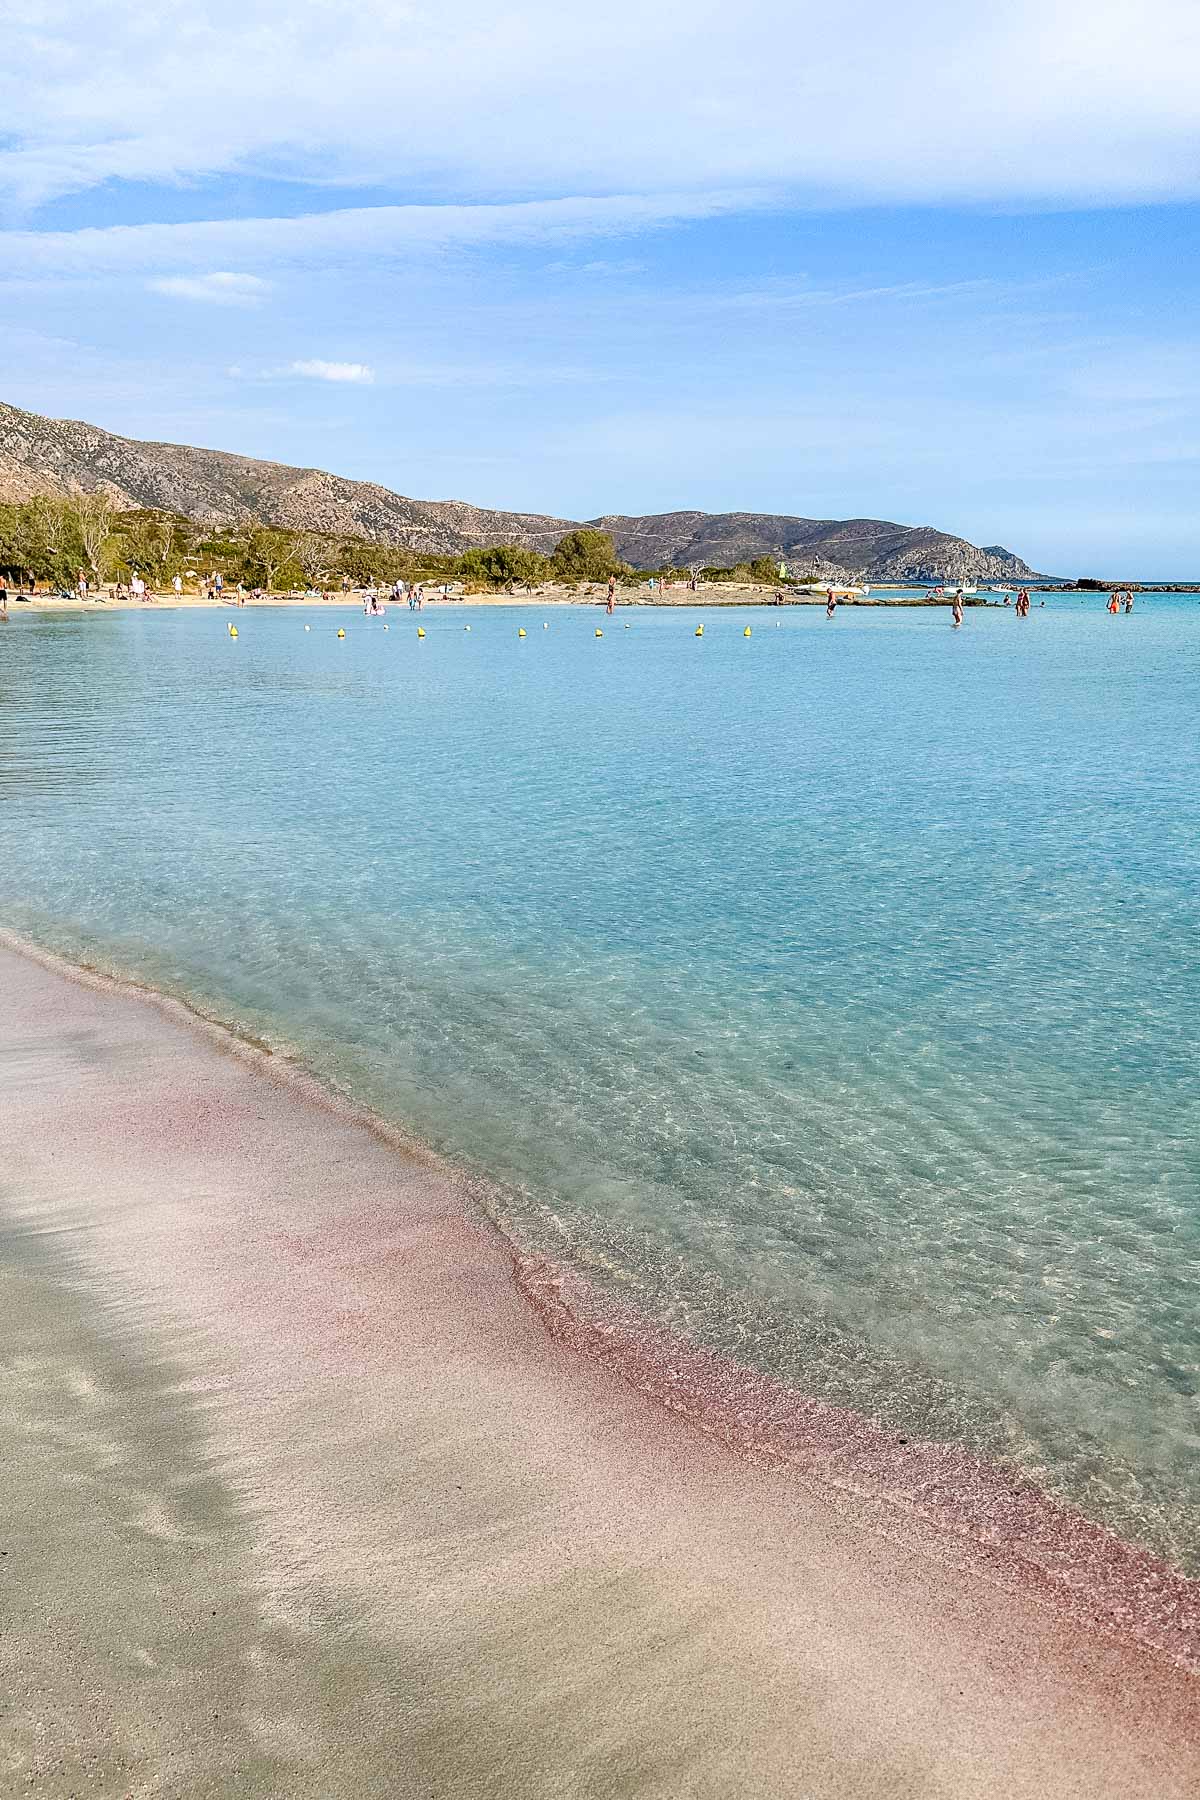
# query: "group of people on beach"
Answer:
x=399 y=593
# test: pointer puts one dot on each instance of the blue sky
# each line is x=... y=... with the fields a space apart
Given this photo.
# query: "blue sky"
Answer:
x=859 y=261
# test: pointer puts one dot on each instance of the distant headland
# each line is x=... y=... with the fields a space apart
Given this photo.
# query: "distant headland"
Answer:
x=56 y=457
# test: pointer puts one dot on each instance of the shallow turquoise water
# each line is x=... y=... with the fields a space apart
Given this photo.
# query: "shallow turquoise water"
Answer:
x=832 y=992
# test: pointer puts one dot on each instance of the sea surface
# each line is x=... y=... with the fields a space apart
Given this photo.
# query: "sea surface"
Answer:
x=831 y=993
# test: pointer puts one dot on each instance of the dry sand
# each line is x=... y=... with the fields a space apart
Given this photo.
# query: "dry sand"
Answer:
x=709 y=594
x=303 y=1499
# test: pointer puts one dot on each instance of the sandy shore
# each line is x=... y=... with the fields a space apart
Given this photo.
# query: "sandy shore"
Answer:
x=303 y=1498
x=714 y=594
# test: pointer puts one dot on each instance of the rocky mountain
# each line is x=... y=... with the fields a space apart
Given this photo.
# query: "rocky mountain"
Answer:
x=62 y=456
x=827 y=547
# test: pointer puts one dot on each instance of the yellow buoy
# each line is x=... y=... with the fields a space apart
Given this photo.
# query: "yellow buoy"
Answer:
x=420 y=631
x=599 y=633
x=233 y=631
x=521 y=632
x=341 y=633
x=746 y=633
x=699 y=631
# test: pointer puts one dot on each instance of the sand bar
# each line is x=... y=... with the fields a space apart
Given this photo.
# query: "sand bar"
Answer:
x=305 y=1498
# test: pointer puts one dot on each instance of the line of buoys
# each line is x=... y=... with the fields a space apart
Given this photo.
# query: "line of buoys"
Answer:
x=341 y=633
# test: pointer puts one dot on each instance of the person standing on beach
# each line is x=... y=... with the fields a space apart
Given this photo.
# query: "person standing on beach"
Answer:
x=177 y=584
x=3 y=603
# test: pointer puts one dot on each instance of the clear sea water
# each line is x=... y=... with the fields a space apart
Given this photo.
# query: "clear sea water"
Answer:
x=833 y=993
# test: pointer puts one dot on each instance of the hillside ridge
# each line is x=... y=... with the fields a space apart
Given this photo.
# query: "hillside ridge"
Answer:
x=40 y=455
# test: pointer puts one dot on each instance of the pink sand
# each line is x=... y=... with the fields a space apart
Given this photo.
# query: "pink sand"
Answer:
x=484 y=1554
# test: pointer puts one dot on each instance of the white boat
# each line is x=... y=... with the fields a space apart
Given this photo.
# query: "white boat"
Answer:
x=841 y=589
x=950 y=588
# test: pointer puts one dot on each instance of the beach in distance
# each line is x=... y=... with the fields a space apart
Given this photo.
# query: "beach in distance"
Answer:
x=706 y=594
x=585 y=594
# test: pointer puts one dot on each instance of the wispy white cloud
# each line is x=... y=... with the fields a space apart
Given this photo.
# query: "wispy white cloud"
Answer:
x=443 y=375
x=222 y=288
x=1079 y=100
x=785 y=294
x=311 y=368
x=329 y=239
x=317 y=369
x=606 y=266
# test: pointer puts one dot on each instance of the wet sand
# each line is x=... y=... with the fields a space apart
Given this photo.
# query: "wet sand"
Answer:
x=304 y=1496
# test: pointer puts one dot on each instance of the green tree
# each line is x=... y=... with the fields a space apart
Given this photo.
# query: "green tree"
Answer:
x=92 y=518
x=150 y=543
x=586 y=556
x=315 y=556
x=54 y=547
x=268 y=550
x=16 y=553
x=366 y=562
x=504 y=566
x=764 y=569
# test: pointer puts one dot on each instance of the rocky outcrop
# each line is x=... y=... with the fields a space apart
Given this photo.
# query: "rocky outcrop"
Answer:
x=831 y=549
x=61 y=456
